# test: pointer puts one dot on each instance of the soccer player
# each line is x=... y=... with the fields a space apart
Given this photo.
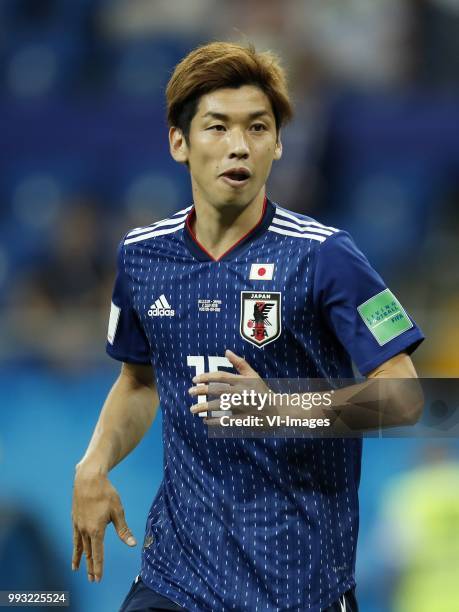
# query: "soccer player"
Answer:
x=237 y=285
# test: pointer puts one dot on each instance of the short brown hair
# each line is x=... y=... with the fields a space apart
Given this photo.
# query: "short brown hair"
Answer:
x=222 y=64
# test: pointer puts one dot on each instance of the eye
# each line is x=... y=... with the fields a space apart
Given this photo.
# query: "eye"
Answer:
x=218 y=127
x=259 y=127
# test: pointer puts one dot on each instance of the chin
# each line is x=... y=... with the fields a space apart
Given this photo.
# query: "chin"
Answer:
x=239 y=202
x=242 y=199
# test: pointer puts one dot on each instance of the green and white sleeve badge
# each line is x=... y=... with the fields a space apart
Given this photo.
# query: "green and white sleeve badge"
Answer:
x=384 y=316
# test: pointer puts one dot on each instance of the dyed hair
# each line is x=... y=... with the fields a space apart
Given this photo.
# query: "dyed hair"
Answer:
x=221 y=64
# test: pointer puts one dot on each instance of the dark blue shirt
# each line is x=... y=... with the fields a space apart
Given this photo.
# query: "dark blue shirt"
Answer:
x=252 y=524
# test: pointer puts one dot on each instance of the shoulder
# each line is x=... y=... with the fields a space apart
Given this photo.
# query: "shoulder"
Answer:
x=301 y=227
x=164 y=227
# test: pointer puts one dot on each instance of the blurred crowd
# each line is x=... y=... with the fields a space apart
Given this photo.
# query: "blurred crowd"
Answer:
x=374 y=149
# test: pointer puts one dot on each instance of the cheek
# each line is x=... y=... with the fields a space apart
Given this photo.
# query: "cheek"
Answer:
x=265 y=152
x=266 y=158
x=202 y=161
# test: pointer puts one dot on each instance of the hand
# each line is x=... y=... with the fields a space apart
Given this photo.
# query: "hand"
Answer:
x=216 y=384
x=95 y=504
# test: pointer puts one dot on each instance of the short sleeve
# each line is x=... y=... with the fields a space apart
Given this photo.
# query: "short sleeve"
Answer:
x=126 y=339
x=358 y=307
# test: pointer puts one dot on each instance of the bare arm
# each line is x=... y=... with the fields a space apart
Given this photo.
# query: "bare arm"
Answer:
x=127 y=414
x=399 y=366
x=399 y=402
x=365 y=406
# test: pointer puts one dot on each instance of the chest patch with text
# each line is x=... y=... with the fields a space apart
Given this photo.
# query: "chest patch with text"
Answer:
x=260 y=316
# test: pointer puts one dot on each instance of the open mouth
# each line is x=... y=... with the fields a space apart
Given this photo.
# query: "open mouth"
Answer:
x=238 y=175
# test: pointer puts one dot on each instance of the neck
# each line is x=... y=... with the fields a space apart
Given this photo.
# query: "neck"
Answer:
x=217 y=230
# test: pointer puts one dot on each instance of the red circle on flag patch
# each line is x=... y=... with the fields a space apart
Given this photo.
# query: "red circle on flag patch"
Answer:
x=261 y=271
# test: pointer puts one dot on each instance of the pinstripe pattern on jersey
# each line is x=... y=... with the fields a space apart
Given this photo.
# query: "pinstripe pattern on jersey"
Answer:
x=241 y=524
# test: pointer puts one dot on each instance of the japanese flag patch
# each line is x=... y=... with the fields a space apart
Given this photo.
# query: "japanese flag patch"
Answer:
x=261 y=271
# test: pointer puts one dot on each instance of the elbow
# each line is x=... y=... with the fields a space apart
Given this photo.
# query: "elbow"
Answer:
x=413 y=415
x=414 y=405
x=401 y=386
x=406 y=401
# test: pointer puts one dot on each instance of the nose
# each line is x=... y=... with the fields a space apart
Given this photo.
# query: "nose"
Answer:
x=238 y=144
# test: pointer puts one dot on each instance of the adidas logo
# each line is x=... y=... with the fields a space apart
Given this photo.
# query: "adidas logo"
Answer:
x=161 y=308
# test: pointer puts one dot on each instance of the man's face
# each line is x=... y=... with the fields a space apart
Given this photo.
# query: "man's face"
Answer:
x=232 y=144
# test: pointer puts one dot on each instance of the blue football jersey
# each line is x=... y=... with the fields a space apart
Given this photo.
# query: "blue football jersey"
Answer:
x=257 y=523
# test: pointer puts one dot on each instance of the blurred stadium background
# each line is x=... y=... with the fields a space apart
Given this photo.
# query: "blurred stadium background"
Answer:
x=374 y=149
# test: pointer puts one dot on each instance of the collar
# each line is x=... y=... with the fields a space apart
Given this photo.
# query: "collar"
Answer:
x=201 y=254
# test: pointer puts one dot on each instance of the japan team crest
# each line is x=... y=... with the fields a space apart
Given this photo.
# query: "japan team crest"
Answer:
x=260 y=316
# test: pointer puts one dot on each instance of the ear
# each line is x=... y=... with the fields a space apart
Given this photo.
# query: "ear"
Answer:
x=177 y=145
x=278 y=148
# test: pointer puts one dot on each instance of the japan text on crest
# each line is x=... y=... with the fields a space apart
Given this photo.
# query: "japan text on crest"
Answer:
x=260 y=316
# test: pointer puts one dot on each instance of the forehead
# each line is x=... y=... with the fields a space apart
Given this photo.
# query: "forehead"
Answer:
x=236 y=103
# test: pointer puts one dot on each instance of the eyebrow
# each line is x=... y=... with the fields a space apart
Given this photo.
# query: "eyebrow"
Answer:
x=224 y=117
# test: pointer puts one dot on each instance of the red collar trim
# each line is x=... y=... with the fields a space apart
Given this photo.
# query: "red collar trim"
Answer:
x=192 y=214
